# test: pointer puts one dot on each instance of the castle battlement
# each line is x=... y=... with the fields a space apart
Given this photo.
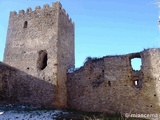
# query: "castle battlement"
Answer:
x=40 y=50
x=41 y=39
x=47 y=9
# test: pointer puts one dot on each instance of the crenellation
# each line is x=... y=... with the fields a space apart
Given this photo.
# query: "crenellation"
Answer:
x=37 y=8
x=46 y=6
x=35 y=35
x=54 y=5
x=45 y=10
x=29 y=10
x=67 y=15
x=12 y=13
x=70 y=19
x=73 y=23
x=63 y=11
x=59 y=4
x=21 y=12
x=37 y=44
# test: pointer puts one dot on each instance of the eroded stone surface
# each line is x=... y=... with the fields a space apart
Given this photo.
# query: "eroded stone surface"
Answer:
x=40 y=42
x=39 y=51
x=21 y=88
x=108 y=84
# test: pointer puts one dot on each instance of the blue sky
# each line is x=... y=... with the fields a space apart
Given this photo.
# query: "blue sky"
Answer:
x=102 y=27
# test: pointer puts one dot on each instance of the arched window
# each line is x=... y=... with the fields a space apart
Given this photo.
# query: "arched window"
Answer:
x=42 y=59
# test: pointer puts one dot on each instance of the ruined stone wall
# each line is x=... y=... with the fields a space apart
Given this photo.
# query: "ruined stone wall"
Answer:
x=108 y=84
x=38 y=44
x=21 y=88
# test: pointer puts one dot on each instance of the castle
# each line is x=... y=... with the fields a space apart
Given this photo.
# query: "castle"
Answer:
x=41 y=44
x=39 y=52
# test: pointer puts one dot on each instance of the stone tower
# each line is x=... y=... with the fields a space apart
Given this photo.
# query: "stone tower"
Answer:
x=40 y=42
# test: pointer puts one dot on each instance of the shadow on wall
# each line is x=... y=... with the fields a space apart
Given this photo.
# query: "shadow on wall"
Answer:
x=21 y=88
x=111 y=85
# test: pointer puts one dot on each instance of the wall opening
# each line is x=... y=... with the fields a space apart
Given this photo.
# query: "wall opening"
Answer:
x=136 y=63
x=42 y=59
x=25 y=24
x=109 y=83
x=138 y=83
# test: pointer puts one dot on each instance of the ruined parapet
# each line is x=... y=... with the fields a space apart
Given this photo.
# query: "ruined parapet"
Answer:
x=117 y=90
x=37 y=43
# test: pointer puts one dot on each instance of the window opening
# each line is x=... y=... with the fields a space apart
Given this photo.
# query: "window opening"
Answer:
x=136 y=63
x=138 y=83
x=25 y=24
x=109 y=83
x=42 y=59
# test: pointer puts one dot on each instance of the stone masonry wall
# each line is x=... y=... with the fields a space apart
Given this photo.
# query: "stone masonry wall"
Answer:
x=66 y=58
x=108 y=84
x=21 y=88
x=30 y=32
x=40 y=49
x=40 y=42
